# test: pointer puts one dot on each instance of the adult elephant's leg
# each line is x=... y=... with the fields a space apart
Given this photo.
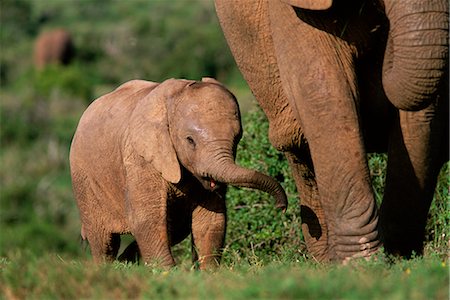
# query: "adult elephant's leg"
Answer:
x=254 y=53
x=314 y=227
x=415 y=157
x=321 y=85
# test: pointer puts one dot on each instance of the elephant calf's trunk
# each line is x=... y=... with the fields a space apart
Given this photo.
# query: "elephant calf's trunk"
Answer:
x=242 y=177
x=268 y=185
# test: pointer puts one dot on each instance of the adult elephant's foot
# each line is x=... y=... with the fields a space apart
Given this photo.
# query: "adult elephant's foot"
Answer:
x=347 y=243
x=365 y=250
x=315 y=232
x=356 y=243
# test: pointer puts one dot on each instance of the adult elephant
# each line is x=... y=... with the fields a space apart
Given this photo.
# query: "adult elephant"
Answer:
x=337 y=81
x=53 y=47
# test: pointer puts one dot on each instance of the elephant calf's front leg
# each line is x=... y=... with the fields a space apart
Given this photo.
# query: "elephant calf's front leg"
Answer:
x=208 y=232
x=147 y=216
x=154 y=246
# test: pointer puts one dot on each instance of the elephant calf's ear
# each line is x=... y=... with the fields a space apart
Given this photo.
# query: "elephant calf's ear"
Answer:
x=310 y=4
x=149 y=130
x=212 y=80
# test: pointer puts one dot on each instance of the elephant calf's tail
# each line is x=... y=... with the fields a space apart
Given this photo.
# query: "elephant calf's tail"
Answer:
x=83 y=239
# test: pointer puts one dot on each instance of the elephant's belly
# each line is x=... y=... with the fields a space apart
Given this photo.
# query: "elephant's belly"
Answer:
x=179 y=220
x=100 y=205
x=377 y=115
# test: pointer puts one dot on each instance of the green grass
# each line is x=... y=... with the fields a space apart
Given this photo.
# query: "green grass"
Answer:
x=56 y=277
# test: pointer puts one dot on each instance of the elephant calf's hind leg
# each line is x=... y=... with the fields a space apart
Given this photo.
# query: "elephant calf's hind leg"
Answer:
x=104 y=246
x=208 y=232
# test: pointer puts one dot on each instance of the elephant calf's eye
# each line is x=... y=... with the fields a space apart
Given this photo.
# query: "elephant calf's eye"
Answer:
x=191 y=141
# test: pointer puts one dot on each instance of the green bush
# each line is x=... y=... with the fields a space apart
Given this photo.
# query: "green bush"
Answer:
x=438 y=224
x=74 y=81
x=256 y=227
x=38 y=237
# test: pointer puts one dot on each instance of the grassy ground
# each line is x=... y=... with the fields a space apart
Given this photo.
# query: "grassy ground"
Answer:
x=54 y=277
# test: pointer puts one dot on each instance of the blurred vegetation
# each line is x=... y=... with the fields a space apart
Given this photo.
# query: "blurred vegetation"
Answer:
x=116 y=41
x=120 y=40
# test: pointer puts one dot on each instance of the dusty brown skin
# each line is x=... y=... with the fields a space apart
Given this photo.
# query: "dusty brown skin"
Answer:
x=338 y=80
x=53 y=47
x=153 y=160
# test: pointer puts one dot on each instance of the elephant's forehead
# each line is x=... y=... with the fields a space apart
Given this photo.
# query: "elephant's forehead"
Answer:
x=209 y=107
x=210 y=98
x=218 y=130
x=210 y=118
x=209 y=122
x=209 y=112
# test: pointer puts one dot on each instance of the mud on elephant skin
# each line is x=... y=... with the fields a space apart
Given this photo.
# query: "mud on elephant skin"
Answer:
x=154 y=160
x=338 y=81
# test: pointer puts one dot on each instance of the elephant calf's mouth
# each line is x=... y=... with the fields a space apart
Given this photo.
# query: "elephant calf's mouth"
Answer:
x=209 y=183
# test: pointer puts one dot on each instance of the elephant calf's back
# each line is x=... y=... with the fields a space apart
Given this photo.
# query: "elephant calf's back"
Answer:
x=96 y=162
x=98 y=141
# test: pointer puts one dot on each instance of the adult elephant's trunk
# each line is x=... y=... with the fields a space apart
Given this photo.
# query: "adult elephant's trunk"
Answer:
x=230 y=173
x=417 y=51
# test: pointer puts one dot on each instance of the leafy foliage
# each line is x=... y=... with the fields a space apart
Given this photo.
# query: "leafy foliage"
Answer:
x=256 y=226
x=122 y=40
x=258 y=229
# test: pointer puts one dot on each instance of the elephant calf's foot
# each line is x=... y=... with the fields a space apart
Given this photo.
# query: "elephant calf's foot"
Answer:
x=161 y=262
x=131 y=253
x=209 y=262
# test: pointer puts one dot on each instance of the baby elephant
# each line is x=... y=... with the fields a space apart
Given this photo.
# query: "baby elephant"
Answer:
x=153 y=160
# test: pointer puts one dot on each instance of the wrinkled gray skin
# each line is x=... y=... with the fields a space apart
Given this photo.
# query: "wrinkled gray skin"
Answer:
x=153 y=160
x=338 y=80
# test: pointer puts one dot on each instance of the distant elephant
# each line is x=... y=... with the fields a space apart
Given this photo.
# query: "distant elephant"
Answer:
x=338 y=80
x=154 y=160
x=53 y=47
